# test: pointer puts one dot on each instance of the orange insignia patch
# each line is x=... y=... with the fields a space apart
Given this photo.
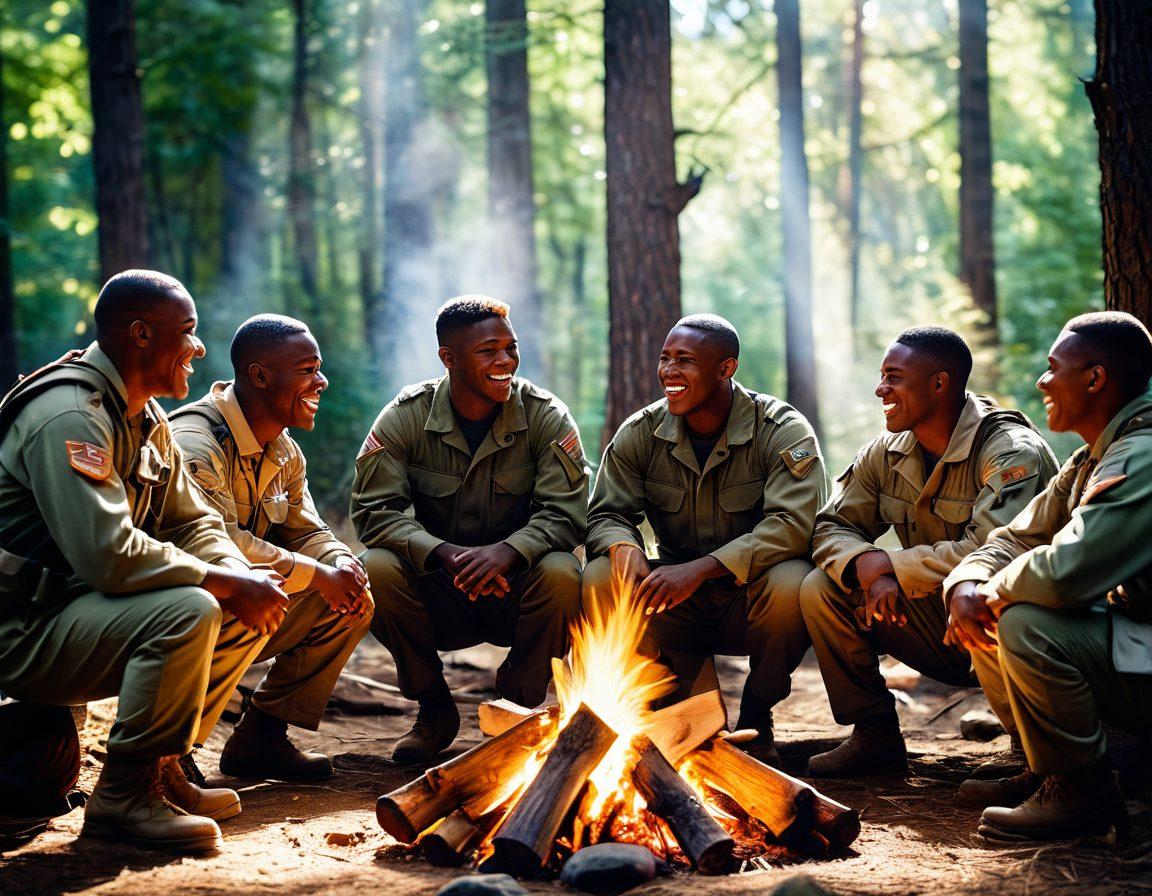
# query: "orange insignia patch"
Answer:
x=1013 y=474
x=570 y=445
x=370 y=444
x=1096 y=488
x=90 y=460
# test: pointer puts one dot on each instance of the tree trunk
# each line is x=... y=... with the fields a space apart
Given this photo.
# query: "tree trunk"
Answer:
x=799 y=344
x=9 y=364
x=301 y=185
x=850 y=200
x=1121 y=96
x=644 y=200
x=977 y=228
x=372 y=62
x=117 y=136
x=511 y=207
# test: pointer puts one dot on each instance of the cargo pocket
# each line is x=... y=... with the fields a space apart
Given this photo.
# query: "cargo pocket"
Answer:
x=665 y=498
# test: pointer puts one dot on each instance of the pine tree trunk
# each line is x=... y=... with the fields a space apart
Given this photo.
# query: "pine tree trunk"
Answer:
x=301 y=184
x=977 y=227
x=854 y=96
x=511 y=206
x=372 y=61
x=117 y=136
x=1121 y=96
x=644 y=200
x=799 y=343
x=9 y=364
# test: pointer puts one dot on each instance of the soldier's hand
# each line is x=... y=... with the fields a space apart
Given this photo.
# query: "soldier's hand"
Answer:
x=364 y=604
x=447 y=556
x=667 y=586
x=340 y=586
x=970 y=619
x=254 y=596
x=882 y=602
x=484 y=570
x=869 y=566
x=629 y=568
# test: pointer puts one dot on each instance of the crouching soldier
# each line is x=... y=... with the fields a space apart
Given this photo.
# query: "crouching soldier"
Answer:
x=1066 y=590
x=239 y=453
x=115 y=572
x=492 y=470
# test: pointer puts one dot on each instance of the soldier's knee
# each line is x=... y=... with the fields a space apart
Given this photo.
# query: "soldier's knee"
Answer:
x=1018 y=628
x=596 y=582
x=559 y=575
x=386 y=569
x=778 y=588
x=817 y=592
x=193 y=609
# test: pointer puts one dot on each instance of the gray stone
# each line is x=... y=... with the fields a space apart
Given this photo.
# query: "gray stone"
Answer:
x=800 y=885
x=609 y=868
x=980 y=725
x=483 y=885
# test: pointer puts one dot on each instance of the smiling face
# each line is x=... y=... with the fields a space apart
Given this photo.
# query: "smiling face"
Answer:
x=172 y=346
x=481 y=361
x=292 y=381
x=694 y=371
x=1068 y=384
x=911 y=388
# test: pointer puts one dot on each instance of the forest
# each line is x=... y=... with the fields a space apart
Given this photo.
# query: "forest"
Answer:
x=823 y=174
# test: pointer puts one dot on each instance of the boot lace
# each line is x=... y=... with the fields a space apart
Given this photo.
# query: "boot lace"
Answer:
x=1055 y=789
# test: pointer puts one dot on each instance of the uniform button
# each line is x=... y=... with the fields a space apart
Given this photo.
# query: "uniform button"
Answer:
x=508 y=437
x=721 y=453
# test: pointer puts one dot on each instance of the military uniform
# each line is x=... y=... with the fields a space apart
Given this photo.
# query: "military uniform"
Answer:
x=1075 y=649
x=262 y=494
x=751 y=507
x=994 y=464
x=526 y=486
x=105 y=540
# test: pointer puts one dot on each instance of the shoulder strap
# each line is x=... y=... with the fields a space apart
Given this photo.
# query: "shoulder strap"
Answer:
x=67 y=369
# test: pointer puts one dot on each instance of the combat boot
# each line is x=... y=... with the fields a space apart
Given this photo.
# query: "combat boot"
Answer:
x=217 y=803
x=1082 y=804
x=437 y=723
x=127 y=804
x=1005 y=764
x=757 y=714
x=259 y=748
x=875 y=747
x=982 y=793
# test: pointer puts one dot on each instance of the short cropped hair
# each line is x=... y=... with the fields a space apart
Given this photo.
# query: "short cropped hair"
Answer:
x=464 y=311
x=945 y=347
x=260 y=332
x=127 y=295
x=1120 y=344
x=718 y=330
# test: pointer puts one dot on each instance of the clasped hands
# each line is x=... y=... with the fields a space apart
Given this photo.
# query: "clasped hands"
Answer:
x=344 y=587
x=662 y=588
x=882 y=596
x=479 y=571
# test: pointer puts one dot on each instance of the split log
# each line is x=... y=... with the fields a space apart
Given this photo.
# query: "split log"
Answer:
x=679 y=729
x=497 y=716
x=474 y=781
x=523 y=844
x=668 y=795
x=449 y=843
x=836 y=823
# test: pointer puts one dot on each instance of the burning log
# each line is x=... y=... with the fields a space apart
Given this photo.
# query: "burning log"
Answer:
x=836 y=824
x=668 y=795
x=449 y=843
x=473 y=781
x=523 y=844
x=497 y=716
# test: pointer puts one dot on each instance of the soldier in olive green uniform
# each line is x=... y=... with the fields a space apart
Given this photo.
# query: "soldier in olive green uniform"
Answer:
x=113 y=571
x=493 y=472
x=254 y=474
x=730 y=482
x=951 y=467
x=1070 y=581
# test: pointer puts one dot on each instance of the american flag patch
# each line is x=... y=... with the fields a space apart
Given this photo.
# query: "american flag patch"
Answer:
x=570 y=445
x=370 y=444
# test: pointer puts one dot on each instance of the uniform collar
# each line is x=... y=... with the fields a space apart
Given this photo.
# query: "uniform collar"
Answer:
x=441 y=418
x=972 y=414
x=737 y=431
x=95 y=357
x=223 y=396
x=1140 y=404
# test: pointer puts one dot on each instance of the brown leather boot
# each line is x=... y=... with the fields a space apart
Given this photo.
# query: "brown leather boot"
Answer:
x=875 y=747
x=999 y=792
x=127 y=805
x=757 y=714
x=217 y=803
x=1082 y=804
x=437 y=723
x=259 y=748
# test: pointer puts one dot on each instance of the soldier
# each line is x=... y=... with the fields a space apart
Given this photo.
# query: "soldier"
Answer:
x=1066 y=589
x=253 y=473
x=115 y=571
x=730 y=482
x=951 y=467
x=493 y=471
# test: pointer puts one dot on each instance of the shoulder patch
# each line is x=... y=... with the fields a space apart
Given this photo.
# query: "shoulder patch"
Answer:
x=372 y=443
x=1013 y=474
x=570 y=445
x=800 y=459
x=1097 y=488
x=89 y=460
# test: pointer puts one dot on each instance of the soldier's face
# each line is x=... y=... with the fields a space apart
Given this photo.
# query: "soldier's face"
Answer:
x=483 y=359
x=294 y=382
x=1066 y=384
x=172 y=345
x=692 y=370
x=909 y=388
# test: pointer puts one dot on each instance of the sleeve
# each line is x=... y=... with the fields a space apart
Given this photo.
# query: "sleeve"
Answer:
x=381 y=494
x=617 y=506
x=850 y=523
x=794 y=490
x=1010 y=477
x=560 y=497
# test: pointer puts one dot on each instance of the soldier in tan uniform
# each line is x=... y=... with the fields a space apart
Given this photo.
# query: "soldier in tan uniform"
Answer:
x=252 y=472
x=730 y=482
x=1066 y=589
x=492 y=472
x=113 y=571
x=951 y=467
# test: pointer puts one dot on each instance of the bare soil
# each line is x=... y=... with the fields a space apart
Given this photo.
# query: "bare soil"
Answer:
x=915 y=838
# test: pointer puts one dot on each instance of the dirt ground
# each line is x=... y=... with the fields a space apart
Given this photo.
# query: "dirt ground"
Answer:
x=915 y=839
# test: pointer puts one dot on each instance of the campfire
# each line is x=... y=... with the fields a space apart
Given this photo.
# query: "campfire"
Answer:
x=603 y=766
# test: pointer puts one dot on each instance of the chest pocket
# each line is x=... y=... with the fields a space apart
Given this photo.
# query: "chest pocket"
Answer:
x=955 y=513
x=894 y=511
x=665 y=498
x=151 y=471
x=433 y=484
x=151 y=468
x=514 y=480
x=275 y=507
x=743 y=497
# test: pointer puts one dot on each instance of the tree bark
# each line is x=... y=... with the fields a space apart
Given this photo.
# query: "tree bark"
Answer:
x=1121 y=96
x=301 y=184
x=117 y=136
x=9 y=364
x=511 y=206
x=799 y=343
x=372 y=62
x=644 y=200
x=977 y=228
x=854 y=92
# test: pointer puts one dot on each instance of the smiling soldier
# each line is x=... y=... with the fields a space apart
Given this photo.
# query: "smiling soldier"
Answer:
x=950 y=468
x=252 y=472
x=491 y=468
x=730 y=482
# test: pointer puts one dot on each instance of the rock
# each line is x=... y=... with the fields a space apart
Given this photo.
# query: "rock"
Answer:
x=980 y=725
x=800 y=885
x=900 y=677
x=609 y=868
x=483 y=885
x=344 y=838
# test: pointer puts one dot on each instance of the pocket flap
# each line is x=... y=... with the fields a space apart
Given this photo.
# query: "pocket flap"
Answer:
x=152 y=469
x=955 y=512
x=275 y=508
x=664 y=497
x=741 y=497
x=433 y=484
x=515 y=480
